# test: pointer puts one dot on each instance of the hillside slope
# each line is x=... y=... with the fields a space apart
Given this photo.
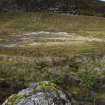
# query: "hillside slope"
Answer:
x=69 y=50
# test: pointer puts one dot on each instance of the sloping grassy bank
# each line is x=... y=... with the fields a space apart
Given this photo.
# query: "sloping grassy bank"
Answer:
x=77 y=66
x=73 y=67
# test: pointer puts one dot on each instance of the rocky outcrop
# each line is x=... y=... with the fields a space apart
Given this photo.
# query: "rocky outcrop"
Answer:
x=43 y=93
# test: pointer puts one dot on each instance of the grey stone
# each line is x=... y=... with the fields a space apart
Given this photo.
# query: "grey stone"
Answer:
x=44 y=93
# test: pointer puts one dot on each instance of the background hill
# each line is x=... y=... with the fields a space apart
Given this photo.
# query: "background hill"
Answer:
x=86 y=7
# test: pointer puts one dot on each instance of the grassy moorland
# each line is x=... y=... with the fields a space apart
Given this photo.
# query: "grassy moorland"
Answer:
x=68 y=50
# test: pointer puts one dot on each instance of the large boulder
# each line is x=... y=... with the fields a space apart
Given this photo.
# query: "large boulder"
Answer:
x=43 y=93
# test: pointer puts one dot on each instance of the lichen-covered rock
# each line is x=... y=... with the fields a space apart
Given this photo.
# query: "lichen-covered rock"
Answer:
x=43 y=93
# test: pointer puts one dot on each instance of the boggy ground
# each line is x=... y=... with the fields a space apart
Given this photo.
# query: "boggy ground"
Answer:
x=57 y=50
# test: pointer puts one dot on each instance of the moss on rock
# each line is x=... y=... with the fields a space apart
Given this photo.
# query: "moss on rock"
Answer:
x=14 y=99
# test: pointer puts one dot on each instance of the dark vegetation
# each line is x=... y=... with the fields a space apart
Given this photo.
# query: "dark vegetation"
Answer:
x=87 y=7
